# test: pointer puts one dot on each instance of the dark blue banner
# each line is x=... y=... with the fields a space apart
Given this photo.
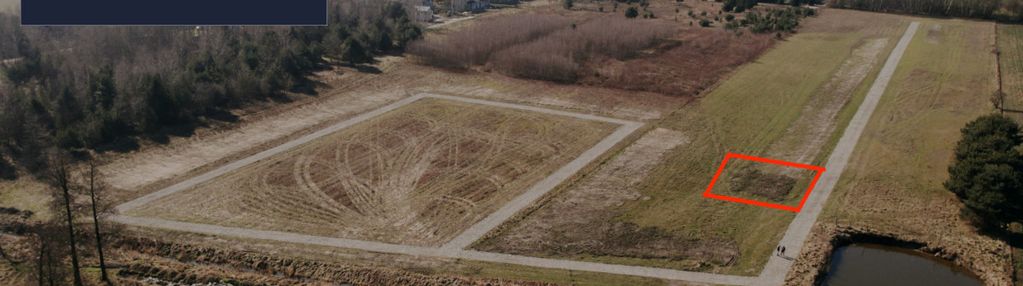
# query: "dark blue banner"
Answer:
x=174 y=12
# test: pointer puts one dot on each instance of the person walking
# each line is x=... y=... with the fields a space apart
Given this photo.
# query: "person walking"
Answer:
x=782 y=250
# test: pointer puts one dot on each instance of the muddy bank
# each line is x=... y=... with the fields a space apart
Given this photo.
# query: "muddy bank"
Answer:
x=812 y=265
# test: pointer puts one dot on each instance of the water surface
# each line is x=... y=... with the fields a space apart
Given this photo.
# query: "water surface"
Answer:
x=878 y=265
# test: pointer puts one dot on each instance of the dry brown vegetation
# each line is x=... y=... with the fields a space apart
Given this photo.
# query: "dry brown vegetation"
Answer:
x=418 y=175
x=475 y=44
x=686 y=67
x=595 y=48
x=558 y=56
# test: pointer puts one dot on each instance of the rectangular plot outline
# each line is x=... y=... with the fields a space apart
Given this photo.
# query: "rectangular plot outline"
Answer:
x=818 y=171
x=454 y=249
x=470 y=234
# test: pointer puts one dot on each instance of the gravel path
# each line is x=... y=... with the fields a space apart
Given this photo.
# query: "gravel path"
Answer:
x=777 y=267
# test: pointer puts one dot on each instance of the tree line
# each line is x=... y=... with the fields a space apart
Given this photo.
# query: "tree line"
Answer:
x=104 y=88
x=1001 y=10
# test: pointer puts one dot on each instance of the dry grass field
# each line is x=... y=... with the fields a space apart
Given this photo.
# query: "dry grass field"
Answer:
x=893 y=183
x=417 y=175
x=788 y=105
x=8 y=5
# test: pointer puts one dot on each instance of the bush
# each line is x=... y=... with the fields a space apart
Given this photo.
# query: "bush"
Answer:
x=776 y=20
x=632 y=12
x=704 y=23
x=7 y=171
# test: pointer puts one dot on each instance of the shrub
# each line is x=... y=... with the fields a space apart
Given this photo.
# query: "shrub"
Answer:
x=632 y=12
x=776 y=20
x=704 y=23
x=7 y=171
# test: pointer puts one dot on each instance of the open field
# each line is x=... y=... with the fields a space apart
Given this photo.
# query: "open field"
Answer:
x=1010 y=47
x=788 y=104
x=417 y=175
x=401 y=192
x=893 y=183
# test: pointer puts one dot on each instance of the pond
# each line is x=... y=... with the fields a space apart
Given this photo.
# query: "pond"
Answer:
x=873 y=264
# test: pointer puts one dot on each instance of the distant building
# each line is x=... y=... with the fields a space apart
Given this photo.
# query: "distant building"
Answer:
x=474 y=6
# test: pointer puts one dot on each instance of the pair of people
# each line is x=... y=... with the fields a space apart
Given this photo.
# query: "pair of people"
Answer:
x=780 y=250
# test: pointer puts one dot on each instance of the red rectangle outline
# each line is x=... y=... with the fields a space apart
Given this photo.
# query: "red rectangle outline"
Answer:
x=818 y=169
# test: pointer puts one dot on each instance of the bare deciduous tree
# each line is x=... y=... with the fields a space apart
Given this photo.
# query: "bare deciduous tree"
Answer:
x=59 y=176
x=96 y=187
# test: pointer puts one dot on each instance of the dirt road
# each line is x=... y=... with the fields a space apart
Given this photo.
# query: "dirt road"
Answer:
x=777 y=267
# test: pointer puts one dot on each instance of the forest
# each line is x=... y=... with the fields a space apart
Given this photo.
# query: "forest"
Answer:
x=84 y=89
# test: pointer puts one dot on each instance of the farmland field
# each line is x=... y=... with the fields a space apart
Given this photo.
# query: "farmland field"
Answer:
x=787 y=105
x=417 y=175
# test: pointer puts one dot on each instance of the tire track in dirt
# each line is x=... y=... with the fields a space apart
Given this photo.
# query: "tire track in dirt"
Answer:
x=359 y=184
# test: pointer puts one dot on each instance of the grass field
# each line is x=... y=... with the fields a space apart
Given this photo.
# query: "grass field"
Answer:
x=758 y=111
x=893 y=183
x=417 y=175
x=1010 y=44
x=28 y=195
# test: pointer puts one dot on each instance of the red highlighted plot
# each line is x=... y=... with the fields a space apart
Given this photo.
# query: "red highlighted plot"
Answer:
x=819 y=170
